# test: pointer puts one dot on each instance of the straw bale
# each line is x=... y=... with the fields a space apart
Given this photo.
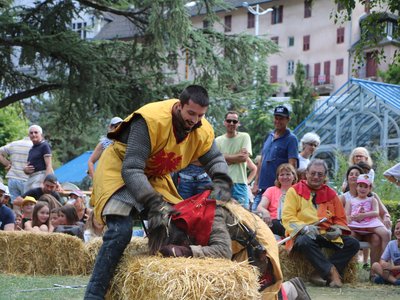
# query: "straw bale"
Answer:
x=137 y=246
x=152 y=277
x=293 y=264
x=41 y=253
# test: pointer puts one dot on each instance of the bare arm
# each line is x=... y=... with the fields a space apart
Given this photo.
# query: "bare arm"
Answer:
x=262 y=208
x=347 y=209
x=253 y=170
x=392 y=179
x=237 y=158
x=293 y=162
x=49 y=166
x=94 y=158
x=254 y=189
x=5 y=162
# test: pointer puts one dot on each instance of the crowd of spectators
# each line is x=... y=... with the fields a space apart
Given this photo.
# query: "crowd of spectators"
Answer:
x=289 y=186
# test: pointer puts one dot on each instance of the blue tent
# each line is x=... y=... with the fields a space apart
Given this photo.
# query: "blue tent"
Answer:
x=74 y=170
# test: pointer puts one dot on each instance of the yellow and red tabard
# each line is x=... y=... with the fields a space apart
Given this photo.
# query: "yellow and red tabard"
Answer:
x=166 y=154
x=299 y=211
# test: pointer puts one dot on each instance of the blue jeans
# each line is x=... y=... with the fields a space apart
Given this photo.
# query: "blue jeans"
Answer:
x=16 y=188
x=257 y=199
x=241 y=194
x=189 y=188
x=115 y=240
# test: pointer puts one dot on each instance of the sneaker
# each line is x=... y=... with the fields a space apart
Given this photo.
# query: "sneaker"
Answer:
x=379 y=280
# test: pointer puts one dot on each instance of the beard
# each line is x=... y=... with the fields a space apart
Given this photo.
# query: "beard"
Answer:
x=181 y=127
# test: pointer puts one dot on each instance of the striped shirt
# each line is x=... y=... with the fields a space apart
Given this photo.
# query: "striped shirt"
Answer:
x=17 y=153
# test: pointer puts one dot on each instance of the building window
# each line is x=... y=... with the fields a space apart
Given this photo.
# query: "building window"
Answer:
x=290 y=67
x=80 y=29
x=327 y=71
x=275 y=39
x=228 y=23
x=274 y=74
x=307 y=8
x=306 y=42
x=317 y=72
x=340 y=35
x=277 y=15
x=206 y=24
x=339 y=66
x=290 y=41
x=250 y=20
x=307 y=70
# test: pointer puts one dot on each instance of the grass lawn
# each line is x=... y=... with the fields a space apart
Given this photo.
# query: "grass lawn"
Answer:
x=42 y=287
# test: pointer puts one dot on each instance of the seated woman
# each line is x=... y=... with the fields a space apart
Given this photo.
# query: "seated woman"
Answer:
x=40 y=219
x=351 y=186
x=273 y=198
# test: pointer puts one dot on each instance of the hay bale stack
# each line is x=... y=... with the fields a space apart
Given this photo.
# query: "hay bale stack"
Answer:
x=151 y=277
x=41 y=254
x=137 y=246
x=295 y=265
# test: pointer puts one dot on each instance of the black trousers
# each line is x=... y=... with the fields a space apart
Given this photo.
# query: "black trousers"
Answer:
x=311 y=250
x=115 y=240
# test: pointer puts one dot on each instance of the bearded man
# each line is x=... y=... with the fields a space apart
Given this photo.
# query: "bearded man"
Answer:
x=133 y=174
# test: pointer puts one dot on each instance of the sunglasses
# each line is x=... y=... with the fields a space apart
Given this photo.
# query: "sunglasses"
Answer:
x=231 y=121
x=32 y=132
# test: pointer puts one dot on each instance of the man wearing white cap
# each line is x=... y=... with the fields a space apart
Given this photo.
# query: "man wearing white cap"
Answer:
x=104 y=143
x=7 y=217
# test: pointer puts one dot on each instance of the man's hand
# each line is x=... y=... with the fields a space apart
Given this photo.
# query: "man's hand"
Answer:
x=158 y=212
x=221 y=187
x=29 y=169
x=310 y=230
x=176 y=251
x=333 y=233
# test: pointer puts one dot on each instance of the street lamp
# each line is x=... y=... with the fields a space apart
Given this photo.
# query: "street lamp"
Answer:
x=257 y=11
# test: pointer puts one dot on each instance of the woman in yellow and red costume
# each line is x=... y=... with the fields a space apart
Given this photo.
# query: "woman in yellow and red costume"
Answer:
x=133 y=174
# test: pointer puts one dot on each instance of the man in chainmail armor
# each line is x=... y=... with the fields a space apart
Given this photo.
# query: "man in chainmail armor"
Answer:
x=133 y=174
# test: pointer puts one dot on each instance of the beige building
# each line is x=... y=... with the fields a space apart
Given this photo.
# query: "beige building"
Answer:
x=306 y=32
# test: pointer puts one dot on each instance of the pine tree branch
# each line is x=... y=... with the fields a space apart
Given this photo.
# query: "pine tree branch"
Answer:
x=28 y=93
x=133 y=16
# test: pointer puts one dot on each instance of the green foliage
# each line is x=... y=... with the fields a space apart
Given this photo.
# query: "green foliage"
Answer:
x=13 y=126
x=301 y=96
x=392 y=75
x=88 y=82
x=393 y=206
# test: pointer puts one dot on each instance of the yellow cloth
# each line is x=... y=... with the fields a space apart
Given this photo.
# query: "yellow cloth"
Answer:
x=166 y=155
x=299 y=212
x=265 y=237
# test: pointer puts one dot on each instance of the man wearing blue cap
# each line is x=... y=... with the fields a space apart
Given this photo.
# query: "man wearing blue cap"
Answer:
x=280 y=146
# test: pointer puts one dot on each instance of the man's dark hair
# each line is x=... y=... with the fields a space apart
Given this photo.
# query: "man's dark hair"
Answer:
x=231 y=112
x=196 y=93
